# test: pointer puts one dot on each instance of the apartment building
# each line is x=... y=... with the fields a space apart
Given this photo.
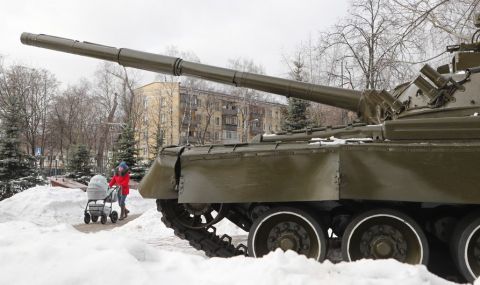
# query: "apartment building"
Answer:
x=191 y=116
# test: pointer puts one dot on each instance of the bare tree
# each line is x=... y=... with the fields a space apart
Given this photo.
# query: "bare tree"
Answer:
x=105 y=97
x=208 y=109
x=34 y=89
x=188 y=99
x=380 y=43
x=248 y=97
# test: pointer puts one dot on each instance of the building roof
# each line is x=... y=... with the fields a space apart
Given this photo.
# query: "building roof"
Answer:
x=212 y=92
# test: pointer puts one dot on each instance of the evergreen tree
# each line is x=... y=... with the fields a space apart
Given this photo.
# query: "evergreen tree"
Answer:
x=127 y=151
x=17 y=170
x=296 y=117
x=79 y=164
x=125 y=147
x=158 y=144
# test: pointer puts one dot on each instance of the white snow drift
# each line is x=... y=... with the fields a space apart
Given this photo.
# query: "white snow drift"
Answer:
x=44 y=205
x=38 y=245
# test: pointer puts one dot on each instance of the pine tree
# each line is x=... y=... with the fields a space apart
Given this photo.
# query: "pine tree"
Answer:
x=127 y=151
x=297 y=108
x=158 y=144
x=17 y=171
x=79 y=164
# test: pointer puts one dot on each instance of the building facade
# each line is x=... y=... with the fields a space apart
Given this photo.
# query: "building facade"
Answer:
x=190 y=116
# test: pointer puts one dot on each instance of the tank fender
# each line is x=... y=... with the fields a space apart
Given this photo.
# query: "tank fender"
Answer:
x=162 y=179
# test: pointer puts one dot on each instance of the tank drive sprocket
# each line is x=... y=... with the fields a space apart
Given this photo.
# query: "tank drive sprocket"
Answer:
x=201 y=238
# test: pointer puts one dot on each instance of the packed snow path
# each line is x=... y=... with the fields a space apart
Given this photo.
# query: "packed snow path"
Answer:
x=41 y=247
x=96 y=227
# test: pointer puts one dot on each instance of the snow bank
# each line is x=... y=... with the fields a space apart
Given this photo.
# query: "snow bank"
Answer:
x=44 y=205
x=146 y=226
x=41 y=248
x=62 y=255
x=149 y=225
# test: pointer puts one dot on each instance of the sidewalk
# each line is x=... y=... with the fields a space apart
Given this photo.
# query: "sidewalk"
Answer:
x=96 y=227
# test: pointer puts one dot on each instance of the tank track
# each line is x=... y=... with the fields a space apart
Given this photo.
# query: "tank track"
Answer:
x=205 y=239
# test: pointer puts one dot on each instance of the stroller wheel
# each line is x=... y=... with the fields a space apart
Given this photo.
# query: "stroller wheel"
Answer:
x=86 y=218
x=114 y=217
x=103 y=219
x=94 y=219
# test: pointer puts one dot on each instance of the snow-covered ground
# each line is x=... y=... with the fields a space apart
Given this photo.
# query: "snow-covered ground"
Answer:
x=44 y=205
x=39 y=245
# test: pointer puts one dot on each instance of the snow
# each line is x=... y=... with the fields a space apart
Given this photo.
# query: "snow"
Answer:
x=337 y=141
x=42 y=247
x=45 y=205
x=61 y=255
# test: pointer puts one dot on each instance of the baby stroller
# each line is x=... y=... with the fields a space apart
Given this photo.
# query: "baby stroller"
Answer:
x=98 y=196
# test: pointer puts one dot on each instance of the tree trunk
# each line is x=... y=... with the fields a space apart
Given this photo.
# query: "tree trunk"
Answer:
x=103 y=139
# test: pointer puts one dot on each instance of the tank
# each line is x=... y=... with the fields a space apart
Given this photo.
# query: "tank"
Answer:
x=400 y=183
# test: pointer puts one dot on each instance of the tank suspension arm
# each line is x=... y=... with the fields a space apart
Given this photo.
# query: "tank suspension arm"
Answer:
x=337 y=97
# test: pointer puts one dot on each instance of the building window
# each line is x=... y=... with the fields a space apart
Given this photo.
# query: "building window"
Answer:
x=163 y=103
x=230 y=135
x=231 y=120
x=217 y=121
x=163 y=118
x=216 y=136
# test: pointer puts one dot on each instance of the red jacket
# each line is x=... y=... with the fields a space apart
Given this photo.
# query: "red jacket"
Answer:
x=122 y=181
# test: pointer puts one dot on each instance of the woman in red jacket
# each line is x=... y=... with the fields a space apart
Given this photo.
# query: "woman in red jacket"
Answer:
x=122 y=178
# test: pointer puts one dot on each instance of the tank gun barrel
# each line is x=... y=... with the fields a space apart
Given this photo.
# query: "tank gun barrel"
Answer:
x=338 y=97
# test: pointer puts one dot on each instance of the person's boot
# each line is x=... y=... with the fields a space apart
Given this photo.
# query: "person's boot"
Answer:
x=122 y=213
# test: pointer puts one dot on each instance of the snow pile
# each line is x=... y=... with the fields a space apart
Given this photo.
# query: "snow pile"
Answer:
x=42 y=249
x=44 y=205
x=150 y=225
x=146 y=226
x=61 y=255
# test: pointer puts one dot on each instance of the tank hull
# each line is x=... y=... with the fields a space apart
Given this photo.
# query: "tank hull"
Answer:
x=410 y=172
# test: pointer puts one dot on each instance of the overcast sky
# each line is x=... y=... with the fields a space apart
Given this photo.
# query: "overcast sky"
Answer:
x=214 y=30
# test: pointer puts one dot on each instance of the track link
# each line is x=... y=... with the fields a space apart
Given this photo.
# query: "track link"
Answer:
x=205 y=239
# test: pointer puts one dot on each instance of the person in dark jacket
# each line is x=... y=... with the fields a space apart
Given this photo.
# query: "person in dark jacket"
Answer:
x=122 y=179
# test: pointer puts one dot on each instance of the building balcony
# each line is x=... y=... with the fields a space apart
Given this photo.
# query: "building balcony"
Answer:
x=229 y=127
x=229 y=112
x=193 y=124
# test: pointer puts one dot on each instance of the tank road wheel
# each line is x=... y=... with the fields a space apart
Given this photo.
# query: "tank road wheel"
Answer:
x=288 y=229
x=196 y=215
x=382 y=234
x=466 y=246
